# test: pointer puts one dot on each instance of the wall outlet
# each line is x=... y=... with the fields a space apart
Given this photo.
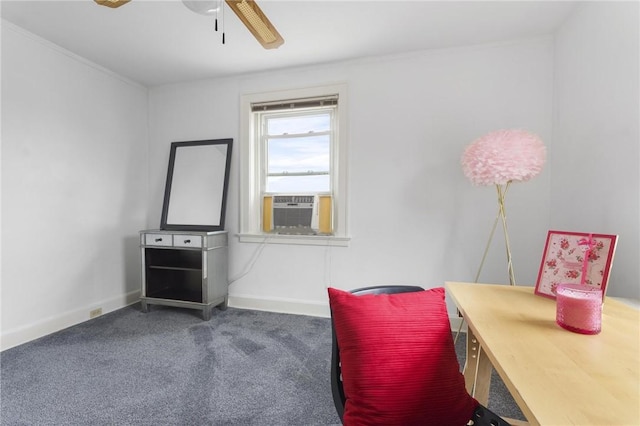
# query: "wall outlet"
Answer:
x=95 y=313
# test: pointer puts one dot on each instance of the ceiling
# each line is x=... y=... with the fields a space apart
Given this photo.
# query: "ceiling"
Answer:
x=159 y=42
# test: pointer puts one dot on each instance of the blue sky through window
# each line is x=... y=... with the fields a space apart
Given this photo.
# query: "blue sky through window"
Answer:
x=294 y=147
x=299 y=124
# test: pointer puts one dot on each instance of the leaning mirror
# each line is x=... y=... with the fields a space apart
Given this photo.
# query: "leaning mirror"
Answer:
x=195 y=195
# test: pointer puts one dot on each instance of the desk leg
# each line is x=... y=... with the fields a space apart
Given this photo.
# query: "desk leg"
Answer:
x=477 y=370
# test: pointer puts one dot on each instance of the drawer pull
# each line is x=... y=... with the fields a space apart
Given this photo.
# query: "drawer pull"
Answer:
x=158 y=240
x=187 y=241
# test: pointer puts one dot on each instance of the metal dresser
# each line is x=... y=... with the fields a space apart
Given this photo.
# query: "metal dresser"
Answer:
x=184 y=269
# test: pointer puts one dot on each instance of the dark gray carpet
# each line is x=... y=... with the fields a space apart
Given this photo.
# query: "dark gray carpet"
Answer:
x=168 y=367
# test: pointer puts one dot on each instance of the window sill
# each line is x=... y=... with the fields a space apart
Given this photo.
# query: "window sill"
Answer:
x=308 y=240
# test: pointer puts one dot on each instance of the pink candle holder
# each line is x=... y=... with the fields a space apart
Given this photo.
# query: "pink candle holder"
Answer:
x=579 y=308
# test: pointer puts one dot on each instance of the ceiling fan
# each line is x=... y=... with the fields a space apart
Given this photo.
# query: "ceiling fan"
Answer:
x=247 y=10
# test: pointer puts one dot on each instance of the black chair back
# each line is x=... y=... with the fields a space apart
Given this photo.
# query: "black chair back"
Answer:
x=336 y=374
x=482 y=416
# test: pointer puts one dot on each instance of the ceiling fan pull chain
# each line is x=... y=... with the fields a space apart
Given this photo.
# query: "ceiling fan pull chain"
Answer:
x=217 y=13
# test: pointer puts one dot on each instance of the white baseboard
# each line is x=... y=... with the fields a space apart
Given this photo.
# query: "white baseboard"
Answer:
x=299 y=307
x=43 y=327
x=281 y=305
x=24 y=334
x=456 y=322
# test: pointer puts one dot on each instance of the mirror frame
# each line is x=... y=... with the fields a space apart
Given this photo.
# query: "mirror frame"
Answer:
x=164 y=225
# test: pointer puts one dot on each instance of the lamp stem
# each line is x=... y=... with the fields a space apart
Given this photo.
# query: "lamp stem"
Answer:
x=503 y=215
x=493 y=228
x=486 y=249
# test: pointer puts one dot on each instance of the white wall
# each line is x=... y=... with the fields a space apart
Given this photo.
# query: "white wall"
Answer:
x=76 y=165
x=414 y=218
x=74 y=187
x=596 y=158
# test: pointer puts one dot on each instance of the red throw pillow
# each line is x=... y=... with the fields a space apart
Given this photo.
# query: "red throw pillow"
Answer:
x=399 y=365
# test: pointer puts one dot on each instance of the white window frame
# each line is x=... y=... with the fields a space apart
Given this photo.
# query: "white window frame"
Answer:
x=252 y=160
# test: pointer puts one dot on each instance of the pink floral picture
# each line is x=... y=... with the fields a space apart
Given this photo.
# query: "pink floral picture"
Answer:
x=576 y=258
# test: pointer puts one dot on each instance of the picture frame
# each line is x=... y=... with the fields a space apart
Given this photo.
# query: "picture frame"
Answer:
x=564 y=261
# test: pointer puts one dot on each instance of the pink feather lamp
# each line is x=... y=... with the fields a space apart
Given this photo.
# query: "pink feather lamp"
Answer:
x=499 y=158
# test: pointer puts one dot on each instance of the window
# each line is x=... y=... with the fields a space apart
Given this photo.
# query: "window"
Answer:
x=293 y=143
x=298 y=149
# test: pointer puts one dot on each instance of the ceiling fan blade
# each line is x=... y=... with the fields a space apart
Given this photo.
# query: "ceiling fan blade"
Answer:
x=256 y=21
x=112 y=3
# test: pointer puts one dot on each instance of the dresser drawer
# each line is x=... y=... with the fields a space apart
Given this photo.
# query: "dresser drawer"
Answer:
x=187 y=241
x=158 y=240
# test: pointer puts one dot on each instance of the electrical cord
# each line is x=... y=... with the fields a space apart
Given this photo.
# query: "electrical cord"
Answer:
x=252 y=261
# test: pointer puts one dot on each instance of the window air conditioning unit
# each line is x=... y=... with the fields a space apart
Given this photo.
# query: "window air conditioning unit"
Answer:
x=306 y=214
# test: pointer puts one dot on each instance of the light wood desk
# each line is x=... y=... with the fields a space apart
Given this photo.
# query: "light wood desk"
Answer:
x=556 y=377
